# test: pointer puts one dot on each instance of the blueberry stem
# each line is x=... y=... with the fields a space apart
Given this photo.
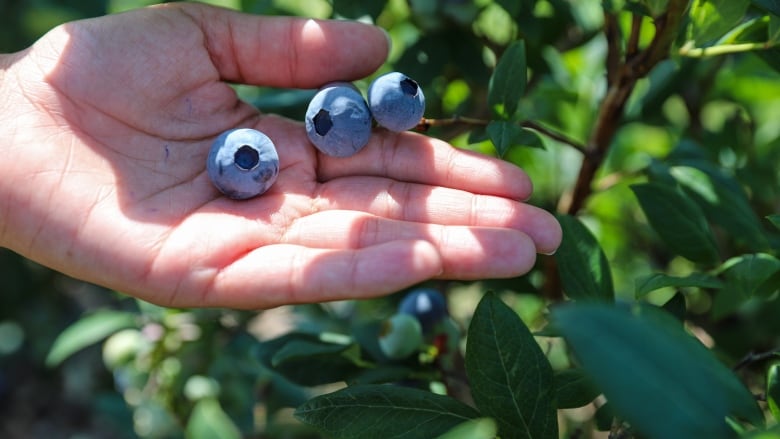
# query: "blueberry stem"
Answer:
x=426 y=124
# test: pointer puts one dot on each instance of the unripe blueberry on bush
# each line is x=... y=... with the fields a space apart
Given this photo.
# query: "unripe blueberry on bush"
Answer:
x=338 y=121
x=396 y=101
x=242 y=163
x=122 y=347
x=427 y=305
x=400 y=336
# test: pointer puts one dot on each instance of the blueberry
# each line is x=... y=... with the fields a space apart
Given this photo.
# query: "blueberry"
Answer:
x=426 y=304
x=400 y=336
x=396 y=101
x=338 y=121
x=242 y=163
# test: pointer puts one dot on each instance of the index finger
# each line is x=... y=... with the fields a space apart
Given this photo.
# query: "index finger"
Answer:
x=288 y=51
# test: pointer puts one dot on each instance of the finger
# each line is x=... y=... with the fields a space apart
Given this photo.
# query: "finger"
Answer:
x=288 y=51
x=417 y=158
x=439 y=205
x=466 y=252
x=282 y=274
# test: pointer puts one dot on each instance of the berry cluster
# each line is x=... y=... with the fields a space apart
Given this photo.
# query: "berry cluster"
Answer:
x=243 y=163
x=421 y=318
x=338 y=119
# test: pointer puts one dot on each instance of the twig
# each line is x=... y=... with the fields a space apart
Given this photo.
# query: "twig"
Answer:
x=425 y=124
x=554 y=135
x=632 y=47
x=724 y=49
x=753 y=357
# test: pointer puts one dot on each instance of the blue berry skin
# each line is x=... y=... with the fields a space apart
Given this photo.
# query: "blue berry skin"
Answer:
x=396 y=101
x=426 y=304
x=338 y=121
x=242 y=163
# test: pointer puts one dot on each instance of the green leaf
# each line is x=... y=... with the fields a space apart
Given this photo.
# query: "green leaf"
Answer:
x=510 y=377
x=771 y=433
x=773 y=390
x=711 y=19
x=604 y=417
x=774 y=219
x=583 y=267
x=507 y=84
x=515 y=7
x=480 y=428
x=384 y=411
x=771 y=6
x=655 y=281
x=358 y=8
x=723 y=202
x=678 y=221
x=676 y=306
x=745 y=278
x=746 y=273
x=312 y=363
x=506 y=134
x=574 y=389
x=659 y=378
x=87 y=331
x=209 y=421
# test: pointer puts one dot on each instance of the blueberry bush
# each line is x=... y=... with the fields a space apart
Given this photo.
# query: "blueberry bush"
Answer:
x=648 y=126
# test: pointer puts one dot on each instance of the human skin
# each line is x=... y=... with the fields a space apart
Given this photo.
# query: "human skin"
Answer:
x=105 y=126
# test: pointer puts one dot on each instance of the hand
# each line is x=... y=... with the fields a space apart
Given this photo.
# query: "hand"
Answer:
x=106 y=126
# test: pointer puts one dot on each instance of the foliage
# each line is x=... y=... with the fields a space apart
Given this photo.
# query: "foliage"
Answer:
x=648 y=126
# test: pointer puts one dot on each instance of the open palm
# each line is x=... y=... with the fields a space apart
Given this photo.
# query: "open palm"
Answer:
x=105 y=180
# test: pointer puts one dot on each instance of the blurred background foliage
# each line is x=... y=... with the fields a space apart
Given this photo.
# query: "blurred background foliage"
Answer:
x=169 y=373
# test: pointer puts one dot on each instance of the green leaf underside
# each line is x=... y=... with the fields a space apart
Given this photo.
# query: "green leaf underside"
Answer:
x=510 y=377
x=635 y=355
x=583 y=267
x=507 y=85
x=655 y=281
x=87 y=331
x=384 y=411
x=678 y=221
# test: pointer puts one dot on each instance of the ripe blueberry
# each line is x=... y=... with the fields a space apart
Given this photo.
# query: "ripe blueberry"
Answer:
x=396 y=101
x=242 y=163
x=400 y=336
x=338 y=121
x=427 y=305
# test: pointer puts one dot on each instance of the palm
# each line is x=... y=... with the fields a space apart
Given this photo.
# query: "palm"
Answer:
x=140 y=104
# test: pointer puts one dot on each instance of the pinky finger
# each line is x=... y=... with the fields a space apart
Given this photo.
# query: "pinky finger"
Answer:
x=281 y=274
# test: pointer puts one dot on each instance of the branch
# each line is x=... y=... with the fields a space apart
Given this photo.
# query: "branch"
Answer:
x=621 y=80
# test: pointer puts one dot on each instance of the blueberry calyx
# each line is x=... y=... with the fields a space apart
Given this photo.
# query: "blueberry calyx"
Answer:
x=246 y=158
x=409 y=87
x=322 y=122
